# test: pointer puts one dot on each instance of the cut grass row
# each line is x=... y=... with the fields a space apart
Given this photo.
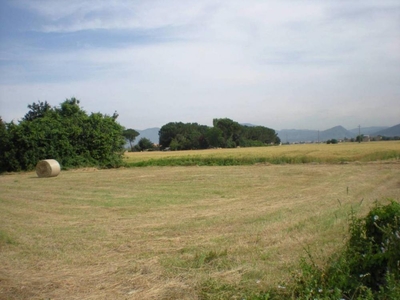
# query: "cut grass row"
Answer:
x=287 y=154
x=176 y=233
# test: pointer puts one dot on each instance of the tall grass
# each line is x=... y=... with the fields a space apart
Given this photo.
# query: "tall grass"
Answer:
x=288 y=154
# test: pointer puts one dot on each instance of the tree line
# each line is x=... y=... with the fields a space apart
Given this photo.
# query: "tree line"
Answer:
x=76 y=139
x=225 y=133
x=66 y=133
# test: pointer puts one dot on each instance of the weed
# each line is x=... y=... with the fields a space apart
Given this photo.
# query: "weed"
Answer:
x=6 y=239
x=368 y=267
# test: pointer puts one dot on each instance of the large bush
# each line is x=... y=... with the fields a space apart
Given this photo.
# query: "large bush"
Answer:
x=367 y=268
x=66 y=133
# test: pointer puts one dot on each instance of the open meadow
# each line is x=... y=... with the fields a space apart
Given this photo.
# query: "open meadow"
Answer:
x=292 y=154
x=185 y=232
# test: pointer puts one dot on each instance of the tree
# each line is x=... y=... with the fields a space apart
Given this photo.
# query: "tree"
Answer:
x=167 y=133
x=130 y=135
x=4 y=146
x=214 y=137
x=332 y=141
x=185 y=136
x=66 y=133
x=230 y=131
x=259 y=134
x=359 y=138
x=145 y=144
x=225 y=133
x=37 y=110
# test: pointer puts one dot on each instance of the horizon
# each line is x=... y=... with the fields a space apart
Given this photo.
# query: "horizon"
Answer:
x=349 y=129
x=279 y=64
x=287 y=129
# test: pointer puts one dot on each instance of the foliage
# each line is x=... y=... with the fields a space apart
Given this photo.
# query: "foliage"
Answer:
x=231 y=132
x=225 y=133
x=130 y=135
x=144 y=144
x=37 y=110
x=367 y=268
x=359 y=138
x=332 y=141
x=183 y=136
x=64 y=133
x=390 y=138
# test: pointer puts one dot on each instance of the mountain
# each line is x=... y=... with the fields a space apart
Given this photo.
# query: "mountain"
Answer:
x=337 y=132
x=368 y=130
x=389 y=132
x=296 y=135
x=149 y=133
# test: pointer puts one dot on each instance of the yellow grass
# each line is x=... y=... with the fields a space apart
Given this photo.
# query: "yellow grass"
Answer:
x=176 y=232
x=320 y=152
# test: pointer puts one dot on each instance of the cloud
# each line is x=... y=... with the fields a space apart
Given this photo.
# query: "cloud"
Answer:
x=103 y=14
x=254 y=61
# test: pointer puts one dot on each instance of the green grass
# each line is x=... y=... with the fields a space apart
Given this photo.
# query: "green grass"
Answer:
x=6 y=239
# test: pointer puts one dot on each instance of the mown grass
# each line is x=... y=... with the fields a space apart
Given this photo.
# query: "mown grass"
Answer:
x=176 y=232
x=286 y=154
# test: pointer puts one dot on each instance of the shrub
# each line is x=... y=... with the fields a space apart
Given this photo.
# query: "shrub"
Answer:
x=67 y=134
x=368 y=267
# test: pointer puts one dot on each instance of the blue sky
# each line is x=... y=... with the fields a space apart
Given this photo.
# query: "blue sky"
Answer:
x=282 y=64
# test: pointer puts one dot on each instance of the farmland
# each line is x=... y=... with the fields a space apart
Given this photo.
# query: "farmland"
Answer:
x=301 y=153
x=185 y=232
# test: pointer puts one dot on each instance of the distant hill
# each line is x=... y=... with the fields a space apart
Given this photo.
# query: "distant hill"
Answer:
x=337 y=132
x=296 y=135
x=389 y=132
x=368 y=130
x=149 y=133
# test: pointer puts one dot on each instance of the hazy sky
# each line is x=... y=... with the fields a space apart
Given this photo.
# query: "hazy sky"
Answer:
x=280 y=64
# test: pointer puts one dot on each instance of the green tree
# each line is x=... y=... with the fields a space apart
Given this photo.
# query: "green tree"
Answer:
x=130 y=135
x=230 y=131
x=145 y=144
x=253 y=135
x=185 y=136
x=37 y=110
x=214 y=137
x=64 y=133
x=167 y=133
x=225 y=133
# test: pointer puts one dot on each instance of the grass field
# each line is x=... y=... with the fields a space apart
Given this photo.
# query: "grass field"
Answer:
x=292 y=154
x=181 y=232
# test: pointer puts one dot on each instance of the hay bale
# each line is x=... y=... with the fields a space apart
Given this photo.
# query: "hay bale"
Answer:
x=48 y=168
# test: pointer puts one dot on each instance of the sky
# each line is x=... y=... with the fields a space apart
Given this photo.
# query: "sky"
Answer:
x=283 y=64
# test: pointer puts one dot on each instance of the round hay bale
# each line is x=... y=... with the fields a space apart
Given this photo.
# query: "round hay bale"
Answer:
x=48 y=168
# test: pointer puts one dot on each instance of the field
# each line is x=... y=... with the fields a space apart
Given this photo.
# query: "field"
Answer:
x=184 y=232
x=292 y=154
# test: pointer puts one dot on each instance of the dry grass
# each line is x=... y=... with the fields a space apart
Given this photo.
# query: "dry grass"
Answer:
x=343 y=152
x=175 y=232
